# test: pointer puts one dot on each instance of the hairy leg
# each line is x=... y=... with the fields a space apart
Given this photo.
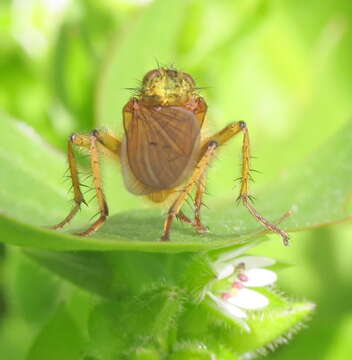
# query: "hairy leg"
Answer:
x=197 y=174
x=198 y=203
x=221 y=138
x=97 y=139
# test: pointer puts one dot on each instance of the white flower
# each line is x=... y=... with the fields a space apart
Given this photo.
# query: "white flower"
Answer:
x=242 y=273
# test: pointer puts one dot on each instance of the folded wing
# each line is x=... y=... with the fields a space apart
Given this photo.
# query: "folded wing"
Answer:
x=160 y=148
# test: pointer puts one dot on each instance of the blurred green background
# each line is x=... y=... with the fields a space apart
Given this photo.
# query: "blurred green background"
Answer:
x=285 y=67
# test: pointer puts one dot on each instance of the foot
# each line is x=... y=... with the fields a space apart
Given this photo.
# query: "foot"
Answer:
x=165 y=238
x=201 y=229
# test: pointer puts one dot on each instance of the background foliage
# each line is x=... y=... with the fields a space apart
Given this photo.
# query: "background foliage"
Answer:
x=283 y=67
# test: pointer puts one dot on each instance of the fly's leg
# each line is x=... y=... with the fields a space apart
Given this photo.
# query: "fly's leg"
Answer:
x=283 y=217
x=105 y=142
x=78 y=198
x=198 y=202
x=244 y=196
x=103 y=207
x=197 y=224
x=222 y=137
x=197 y=174
x=182 y=217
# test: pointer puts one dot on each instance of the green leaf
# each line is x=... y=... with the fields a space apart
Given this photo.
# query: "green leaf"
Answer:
x=272 y=326
x=15 y=337
x=267 y=328
x=145 y=353
x=29 y=166
x=32 y=291
x=59 y=339
x=197 y=351
x=122 y=274
x=149 y=324
x=135 y=324
x=32 y=194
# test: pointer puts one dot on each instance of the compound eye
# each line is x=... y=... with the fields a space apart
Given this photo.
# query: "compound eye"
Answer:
x=153 y=74
x=173 y=74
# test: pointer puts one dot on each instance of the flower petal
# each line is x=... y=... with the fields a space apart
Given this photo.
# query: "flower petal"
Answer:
x=225 y=272
x=252 y=262
x=234 y=310
x=248 y=299
x=259 y=277
x=228 y=256
x=224 y=305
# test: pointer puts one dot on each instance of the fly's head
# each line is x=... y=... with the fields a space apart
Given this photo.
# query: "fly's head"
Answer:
x=165 y=87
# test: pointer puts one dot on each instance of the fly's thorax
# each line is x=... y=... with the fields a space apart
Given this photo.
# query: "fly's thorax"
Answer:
x=167 y=87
